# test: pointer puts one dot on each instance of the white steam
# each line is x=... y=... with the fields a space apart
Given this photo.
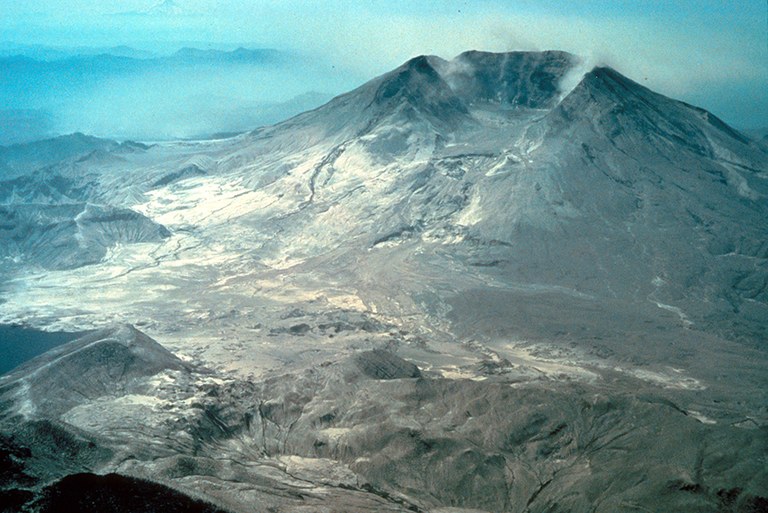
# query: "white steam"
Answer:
x=575 y=75
x=455 y=68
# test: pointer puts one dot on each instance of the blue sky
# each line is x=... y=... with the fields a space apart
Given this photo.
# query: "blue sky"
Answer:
x=712 y=53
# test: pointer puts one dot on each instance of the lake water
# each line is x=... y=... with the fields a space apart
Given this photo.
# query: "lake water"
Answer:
x=19 y=344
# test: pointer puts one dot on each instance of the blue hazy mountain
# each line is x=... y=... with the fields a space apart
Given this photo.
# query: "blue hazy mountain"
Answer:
x=127 y=93
x=18 y=158
x=54 y=53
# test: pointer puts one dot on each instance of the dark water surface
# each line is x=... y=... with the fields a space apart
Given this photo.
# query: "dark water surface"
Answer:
x=20 y=343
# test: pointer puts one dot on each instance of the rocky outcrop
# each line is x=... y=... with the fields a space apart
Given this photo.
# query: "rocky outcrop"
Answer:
x=107 y=362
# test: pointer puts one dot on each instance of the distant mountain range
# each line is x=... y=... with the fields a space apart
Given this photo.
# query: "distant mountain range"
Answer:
x=51 y=53
x=161 y=8
x=46 y=56
x=123 y=92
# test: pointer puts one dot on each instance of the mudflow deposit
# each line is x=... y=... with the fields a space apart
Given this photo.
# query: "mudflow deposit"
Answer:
x=499 y=283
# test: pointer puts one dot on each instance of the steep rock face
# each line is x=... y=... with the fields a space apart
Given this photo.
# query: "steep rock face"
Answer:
x=419 y=90
x=621 y=107
x=515 y=80
x=431 y=89
x=413 y=96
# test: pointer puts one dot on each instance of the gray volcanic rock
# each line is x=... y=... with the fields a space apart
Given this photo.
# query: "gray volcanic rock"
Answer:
x=44 y=187
x=465 y=284
x=489 y=446
x=38 y=440
x=515 y=80
x=417 y=91
x=380 y=364
x=372 y=432
x=106 y=362
x=189 y=171
x=70 y=235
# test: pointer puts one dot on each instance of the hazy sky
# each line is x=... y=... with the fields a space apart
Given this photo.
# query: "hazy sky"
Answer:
x=710 y=52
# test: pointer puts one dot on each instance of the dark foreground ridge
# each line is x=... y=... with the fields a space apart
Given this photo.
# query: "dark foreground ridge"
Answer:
x=90 y=493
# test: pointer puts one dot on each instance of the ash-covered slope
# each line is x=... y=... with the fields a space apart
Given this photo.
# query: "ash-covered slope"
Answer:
x=467 y=283
x=117 y=401
x=429 y=94
x=365 y=432
x=48 y=463
x=608 y=189
x=69 y=235
x=107 y=362
x=628 y=194
x=488 y=175
x=54 y=213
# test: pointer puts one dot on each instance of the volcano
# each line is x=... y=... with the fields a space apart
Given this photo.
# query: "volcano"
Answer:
x=498 y=282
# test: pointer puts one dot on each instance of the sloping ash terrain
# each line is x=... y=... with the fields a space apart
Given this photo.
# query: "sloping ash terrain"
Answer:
x=497 y=283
